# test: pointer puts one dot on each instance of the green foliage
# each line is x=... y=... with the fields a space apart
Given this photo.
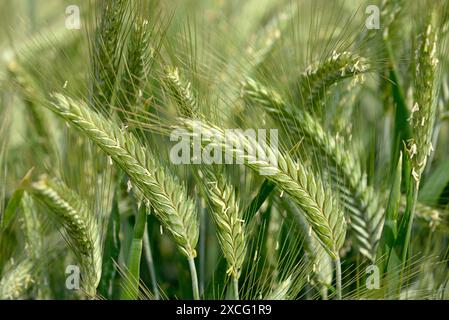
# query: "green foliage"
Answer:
x=87 y=140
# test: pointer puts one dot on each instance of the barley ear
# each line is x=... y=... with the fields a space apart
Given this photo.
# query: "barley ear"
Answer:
x=160 y=189
x=32 y=227
x=317 y=203
x=266 y=39
x=138 y=58
x=181 y=92
x=282 y=290
x=34 y=232
x=79 y=225
x=316 y=80
x=321 y=266
x=228 y=220
x=39 y=124
x=107 y=50
x=433 y=216
x=359 y=198
x=391 y=10
x=221 y=195
x=422 y=117
x=16 y=279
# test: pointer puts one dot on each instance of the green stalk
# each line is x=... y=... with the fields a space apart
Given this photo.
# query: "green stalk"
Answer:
x=196 y=294
x=402 y=130
x=406 y=225
x=390 y=228
x=150 y=263
x=235 y=285
x=111 y=253
x=131 y=287
x=412 y=206
x=338 y=278
x=202 y=247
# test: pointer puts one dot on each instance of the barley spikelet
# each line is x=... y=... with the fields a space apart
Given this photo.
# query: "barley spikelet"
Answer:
x=390 y=12
x=34 y=244
x=16 y=280
x=360 y=200
x=319 y=77
x=228 y=220
x=38 y=120
x=79 y=224
x=322 y=267
x=181 y=92
x=321 y=263
x=422 y=117
x=168 y=197
x=221 y=195
x=317 y=203
x=107 y=54
x=282 y=290
x=32 y=227
x=139 y=55
x=433 y=216
x=266 y=39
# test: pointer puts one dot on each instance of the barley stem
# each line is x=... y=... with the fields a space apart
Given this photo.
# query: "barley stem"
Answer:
x=202 y=249
x=196 y=294
x=131 y=288
x=150 y=262
x=338 y=278
x=235 y=286
x=415 y=190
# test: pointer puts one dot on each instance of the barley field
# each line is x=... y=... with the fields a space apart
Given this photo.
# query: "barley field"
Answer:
x=224 y=149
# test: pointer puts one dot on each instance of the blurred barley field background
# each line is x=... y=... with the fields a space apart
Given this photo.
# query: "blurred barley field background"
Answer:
x=346 y=198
